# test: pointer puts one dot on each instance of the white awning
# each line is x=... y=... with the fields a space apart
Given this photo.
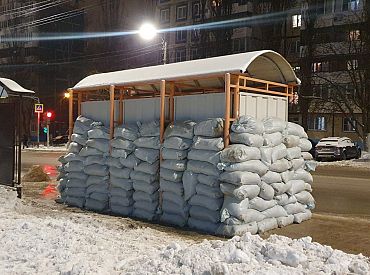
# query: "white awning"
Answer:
x=266 y=65
x=8 y=86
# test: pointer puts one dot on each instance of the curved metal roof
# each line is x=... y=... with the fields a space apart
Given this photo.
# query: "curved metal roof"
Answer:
x=266 y=64
x=12 y=87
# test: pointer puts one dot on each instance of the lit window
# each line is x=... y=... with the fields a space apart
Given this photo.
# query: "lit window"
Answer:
x=296 y=21
x=165 y=15
x=181 y=13
x=349 y=125
x=351 y=5
x=352 y=64
x=317 y=123
x=318 y=67
x=354 y=35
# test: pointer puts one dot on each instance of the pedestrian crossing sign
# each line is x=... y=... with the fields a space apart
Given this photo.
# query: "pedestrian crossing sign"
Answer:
x=39 y=108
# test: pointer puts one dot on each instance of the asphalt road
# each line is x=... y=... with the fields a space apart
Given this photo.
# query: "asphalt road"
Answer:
x=341 y=218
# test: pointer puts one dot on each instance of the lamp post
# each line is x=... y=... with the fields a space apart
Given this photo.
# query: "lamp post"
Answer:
x=148 y=31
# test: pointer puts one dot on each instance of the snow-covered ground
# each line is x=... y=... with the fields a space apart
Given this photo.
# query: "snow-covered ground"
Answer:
x=60 y=148
x=35 y=241
x=348 y=163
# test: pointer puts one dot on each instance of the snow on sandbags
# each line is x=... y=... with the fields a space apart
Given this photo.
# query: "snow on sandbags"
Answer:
x=178 y=139
x=145 y=175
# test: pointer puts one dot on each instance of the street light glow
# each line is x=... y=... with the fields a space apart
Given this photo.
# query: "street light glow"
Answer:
x=147 y=31
x=66 y=95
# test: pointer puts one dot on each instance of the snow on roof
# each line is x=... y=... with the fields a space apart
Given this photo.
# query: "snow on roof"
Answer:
x=13 y=87
x=267 y=65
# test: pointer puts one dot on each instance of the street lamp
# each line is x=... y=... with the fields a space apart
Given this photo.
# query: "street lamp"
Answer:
x=148 y=31
x=66 y=95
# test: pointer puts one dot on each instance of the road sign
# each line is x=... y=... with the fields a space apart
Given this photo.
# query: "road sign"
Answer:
x=39 y=108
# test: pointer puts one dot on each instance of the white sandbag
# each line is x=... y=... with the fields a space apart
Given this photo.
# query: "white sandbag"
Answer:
x=287 y=175
x=212 y=144
x=75 y=183
x=285 y=199
x=266 y=192
x=240 y=178
x=89 y=151
x=305 y=197
x=266 y=225
x=208 y=180
x=204 y=214
x=148 y=168
x=121 y=210
x=294 y=208
x=102 y=197
x=280 y=165
x=291 y=141
x=100 y=144
x=254 y=166
x=173 y=219
x=309 y=165
x=171 y=175
x=123 y=173
x=296 y=186
x=239 y=153
x=190 y=180
x=213 y=127
x=146 y=205
x=75 y=192
x=75 y=201
x=175 y=199
x=176 y=165
x=295 y=130
x=130 y=162
x=275 y=212
x=143 y=196
x=148 y=155
x=113 y=162
x=234 y=207
x=77 y=175
x=129 y=132
x=271 y=177
x=203 y=168
x=174 y=154
x=203 y=201
x=73 y=157
x=299 y=163
x=237 y=230
x=305 y=144
x=302 y=174
x=74 y=166
x=97 y=188
x=208 y=191
x=308 y=187
x=307 y=156
x=96 y=170
x=171 y=208
x=260 y=204
x=246 y=139
x=122 y=201
x=212 y=157
x=122 y=144
x=149 y=129
x=99 y=133
x=177 y=143
x=304 y=216
x=234 y=221
x=184 y=129
x=96 y=180
x=241 y=192
x=84 y=123
x=121 y=183
x=74 y=147
x=95 y=160
x=143 y=186
x=203 y=225
x=136 y=175
x=247 y=124
x=251 y=215
x=278 y=152
x=281 y=187
x=273 y=139
x=62 y=160
x=148 y=142
x=284 y=221
x=293 y=153
x=273 y=124
x=120 y=192
x=145 y=215
x=169 y=186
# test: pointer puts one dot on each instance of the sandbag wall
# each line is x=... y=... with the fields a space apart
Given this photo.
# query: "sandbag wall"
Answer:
x=260 y=182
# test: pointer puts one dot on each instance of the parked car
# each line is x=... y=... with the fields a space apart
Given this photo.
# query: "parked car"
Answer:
x=340 y=148
x=60 y=139
x=313 y=143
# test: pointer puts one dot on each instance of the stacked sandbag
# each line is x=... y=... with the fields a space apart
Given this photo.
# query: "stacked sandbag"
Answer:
x=121 y=163
x=96 y=152
x=178 y=138
x=201 y=179
x=72 y=183
x=145 y=176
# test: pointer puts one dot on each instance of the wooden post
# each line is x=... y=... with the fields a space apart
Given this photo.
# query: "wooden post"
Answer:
x=236 y=106
x=162 y=110
x=227 y=111
x=111 y=122
x=120 y=115
x=79 y=98
x=70 y=114
x=172 y=102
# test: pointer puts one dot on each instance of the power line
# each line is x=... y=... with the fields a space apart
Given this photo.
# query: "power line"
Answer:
x=9 y=12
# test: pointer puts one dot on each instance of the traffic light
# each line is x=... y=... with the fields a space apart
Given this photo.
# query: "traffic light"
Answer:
x=49 y=114
x=45 y=130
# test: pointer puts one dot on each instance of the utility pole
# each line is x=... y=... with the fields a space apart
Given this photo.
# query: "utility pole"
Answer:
x=164 y=48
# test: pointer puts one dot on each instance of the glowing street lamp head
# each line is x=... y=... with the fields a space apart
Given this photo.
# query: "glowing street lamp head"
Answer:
x=66 y=95
x=147 y=31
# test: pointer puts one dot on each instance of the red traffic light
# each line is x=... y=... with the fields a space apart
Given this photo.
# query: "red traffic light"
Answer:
x=49 y=114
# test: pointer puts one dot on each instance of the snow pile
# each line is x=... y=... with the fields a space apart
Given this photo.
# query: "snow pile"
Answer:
x=178 y=139
x=145 y=176
x=122 y=163
x=264 y=180
x=202 y=176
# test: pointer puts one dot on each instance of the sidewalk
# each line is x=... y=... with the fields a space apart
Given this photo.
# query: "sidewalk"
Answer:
x=42 y=148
